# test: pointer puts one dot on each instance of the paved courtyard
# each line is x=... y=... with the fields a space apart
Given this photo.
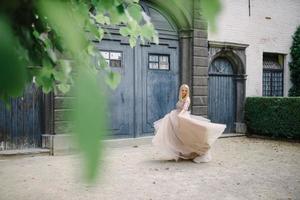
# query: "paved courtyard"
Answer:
x=242 y=168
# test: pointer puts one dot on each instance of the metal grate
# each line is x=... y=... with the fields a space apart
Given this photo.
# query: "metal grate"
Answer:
x=272 y=76
x=271 y=62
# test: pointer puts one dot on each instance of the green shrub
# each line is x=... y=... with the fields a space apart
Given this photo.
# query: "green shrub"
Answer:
x=277 y=117
x=295 y=64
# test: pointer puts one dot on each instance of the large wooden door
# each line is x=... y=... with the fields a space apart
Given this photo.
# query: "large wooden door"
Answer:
x=20 y=126
x=222 y=94
x=148 y=89
x=150 y=77
x=121 y=100
x=159 y=83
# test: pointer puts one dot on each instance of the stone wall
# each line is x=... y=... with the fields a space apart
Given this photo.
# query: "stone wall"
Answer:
x=200 y=64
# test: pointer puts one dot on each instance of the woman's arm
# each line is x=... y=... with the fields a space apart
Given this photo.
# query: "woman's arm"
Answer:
x=185 y=106
x=181 y=112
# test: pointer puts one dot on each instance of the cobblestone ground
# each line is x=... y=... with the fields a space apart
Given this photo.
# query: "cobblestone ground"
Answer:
x=242 y=168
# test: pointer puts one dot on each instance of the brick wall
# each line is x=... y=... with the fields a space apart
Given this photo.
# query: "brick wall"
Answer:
x=268 y=29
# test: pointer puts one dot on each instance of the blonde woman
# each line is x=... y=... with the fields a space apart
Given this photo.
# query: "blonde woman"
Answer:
x=183 y=135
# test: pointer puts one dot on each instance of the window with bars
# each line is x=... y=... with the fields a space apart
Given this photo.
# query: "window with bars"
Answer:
x=113 y=58
x=272 y=75
x=159 y=61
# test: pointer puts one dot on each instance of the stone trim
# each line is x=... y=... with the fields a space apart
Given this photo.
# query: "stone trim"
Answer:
x=185 y=56
x=236 y=54
x=227 y=45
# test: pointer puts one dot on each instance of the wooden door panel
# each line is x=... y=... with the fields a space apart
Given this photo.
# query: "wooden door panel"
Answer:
x=221 y=101
x=121 y=100
x=222 y=94
x=160 y=86
x=21 y=125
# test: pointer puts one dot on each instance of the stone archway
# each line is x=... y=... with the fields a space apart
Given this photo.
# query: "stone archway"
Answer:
x=235 y=54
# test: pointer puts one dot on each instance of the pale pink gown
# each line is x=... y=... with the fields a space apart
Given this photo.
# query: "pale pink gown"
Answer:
x=185 y=136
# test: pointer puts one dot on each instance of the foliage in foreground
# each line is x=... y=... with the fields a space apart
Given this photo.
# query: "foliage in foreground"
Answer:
x=49 y=41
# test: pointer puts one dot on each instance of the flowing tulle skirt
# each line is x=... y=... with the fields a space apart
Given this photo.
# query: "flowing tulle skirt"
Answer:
x=186 y=136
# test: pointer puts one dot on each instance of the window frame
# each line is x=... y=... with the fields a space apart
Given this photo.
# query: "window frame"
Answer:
x=109 y=59
x=272 y=72
x=159 y=55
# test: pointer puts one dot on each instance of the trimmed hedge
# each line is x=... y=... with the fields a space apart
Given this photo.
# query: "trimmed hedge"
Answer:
x=277 y=117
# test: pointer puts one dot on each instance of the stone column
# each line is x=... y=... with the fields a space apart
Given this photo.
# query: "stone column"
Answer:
x=240 y=103
x=200 y=64
x=185 y=52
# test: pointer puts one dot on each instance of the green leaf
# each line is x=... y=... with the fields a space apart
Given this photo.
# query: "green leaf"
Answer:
x=113 y=79
x=66 y=22
x=102 y=63
x=47 y=86
x=62 y=72
x=210 y=9
x=115 y=16
x=64 y=88
x=66 y=66
x=94 y=30
x=101 y=33
x=44 y=38
x=132 y=42
x=45 y=76
x=100 y=18
x=131 y=1
x=91 y=50
x=105 y=4
x=89 y=118
x=135 y=12
x=156 y=39
x=124 y=31
x=36 y=34
x=52 y=55
x=13 y=74
x=134 y=28
x=147 y=31
x=120 y=9
x=59 y=76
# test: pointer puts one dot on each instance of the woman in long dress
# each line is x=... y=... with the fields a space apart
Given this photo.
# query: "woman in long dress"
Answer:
x=183 y=135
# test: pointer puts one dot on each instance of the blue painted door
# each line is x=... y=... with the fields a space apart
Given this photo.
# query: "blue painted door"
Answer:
x=159 y=83
x=20 y=126
x=121 y=100
x=222 y=94
x=150 y=76
x=148 y=88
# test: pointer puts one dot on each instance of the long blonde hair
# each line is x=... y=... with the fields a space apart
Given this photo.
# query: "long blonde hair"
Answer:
x=187 y=94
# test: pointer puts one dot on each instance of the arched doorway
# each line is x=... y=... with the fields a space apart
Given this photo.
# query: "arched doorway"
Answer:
x=150 y=78
x=227 y=84
x=222 y=93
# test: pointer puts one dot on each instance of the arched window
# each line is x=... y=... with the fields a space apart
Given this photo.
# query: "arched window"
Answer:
x=221 y=66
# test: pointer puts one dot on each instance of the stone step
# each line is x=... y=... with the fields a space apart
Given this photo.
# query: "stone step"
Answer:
x=23 y=152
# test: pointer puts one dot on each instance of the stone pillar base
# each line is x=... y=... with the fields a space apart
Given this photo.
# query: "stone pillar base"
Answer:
x=240 y=127
x=58 y=144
